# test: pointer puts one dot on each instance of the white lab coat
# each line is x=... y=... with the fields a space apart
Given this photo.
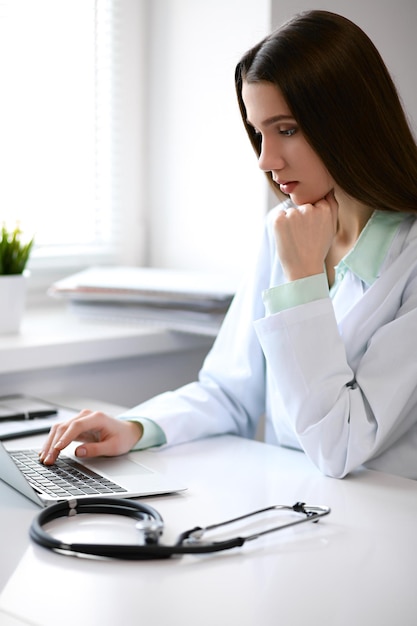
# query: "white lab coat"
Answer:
x=336 y=378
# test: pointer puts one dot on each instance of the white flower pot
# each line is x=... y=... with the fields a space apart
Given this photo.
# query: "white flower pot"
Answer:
x=12 y=302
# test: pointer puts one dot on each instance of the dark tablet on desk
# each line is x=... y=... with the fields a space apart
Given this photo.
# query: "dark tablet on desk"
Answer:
x=22 y=415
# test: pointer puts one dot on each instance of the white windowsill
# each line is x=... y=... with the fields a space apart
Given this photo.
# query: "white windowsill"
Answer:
x=54 y=337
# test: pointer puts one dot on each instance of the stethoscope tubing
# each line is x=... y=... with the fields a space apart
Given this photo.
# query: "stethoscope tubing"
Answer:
x=187 y=543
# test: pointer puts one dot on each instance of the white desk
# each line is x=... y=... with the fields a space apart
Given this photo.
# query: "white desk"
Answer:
x=356 y=567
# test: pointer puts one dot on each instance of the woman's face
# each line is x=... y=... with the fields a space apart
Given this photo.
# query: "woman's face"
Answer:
x=285 y=152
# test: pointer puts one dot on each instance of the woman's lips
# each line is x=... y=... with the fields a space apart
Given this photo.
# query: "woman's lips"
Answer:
x=288 y=187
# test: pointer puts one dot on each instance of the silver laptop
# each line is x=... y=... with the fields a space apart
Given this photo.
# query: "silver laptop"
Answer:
x=69 y=478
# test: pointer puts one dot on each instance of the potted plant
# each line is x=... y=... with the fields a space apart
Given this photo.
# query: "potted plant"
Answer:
x=14 y=255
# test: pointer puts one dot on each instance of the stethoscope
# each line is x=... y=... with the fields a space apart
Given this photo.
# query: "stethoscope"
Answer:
x=151 y=526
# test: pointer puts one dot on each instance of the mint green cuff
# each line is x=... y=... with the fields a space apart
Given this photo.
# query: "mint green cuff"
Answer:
x=294 y=293
x=153 y=435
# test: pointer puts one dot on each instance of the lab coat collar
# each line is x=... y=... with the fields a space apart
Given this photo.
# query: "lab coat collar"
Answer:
x=366 y=257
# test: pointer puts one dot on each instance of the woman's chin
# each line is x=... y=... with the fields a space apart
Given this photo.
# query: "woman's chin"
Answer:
x=300 y=199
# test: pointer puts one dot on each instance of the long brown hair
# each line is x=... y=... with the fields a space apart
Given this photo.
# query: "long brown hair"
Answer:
x=345 y=102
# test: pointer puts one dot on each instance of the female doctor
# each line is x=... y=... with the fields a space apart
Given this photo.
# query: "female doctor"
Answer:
x=322 y=338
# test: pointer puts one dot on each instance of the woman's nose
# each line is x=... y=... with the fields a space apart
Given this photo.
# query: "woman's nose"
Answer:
x=270 y=158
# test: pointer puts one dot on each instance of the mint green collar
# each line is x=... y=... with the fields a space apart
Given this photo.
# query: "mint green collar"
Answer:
x=366 y=256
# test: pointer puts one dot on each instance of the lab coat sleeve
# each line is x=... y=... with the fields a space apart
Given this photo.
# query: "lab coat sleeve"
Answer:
x=349 y=389
x=229 y=395
x=152 y=434
x=296 y=292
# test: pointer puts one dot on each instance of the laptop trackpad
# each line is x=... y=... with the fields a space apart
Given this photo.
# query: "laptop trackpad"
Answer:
x=119 y=467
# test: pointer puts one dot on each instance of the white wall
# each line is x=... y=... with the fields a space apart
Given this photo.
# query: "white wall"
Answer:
x=129 y=111
x=206 y=195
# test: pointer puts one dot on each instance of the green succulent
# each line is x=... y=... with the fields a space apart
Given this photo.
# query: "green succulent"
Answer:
x=14 y=253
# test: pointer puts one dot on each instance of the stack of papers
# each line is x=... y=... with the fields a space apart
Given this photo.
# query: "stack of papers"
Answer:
x=193 y=302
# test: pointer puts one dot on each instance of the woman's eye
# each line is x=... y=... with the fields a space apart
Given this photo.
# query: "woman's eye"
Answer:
x=288 y=132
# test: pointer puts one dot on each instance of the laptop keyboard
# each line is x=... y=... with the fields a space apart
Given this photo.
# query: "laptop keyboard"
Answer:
x=63 y=479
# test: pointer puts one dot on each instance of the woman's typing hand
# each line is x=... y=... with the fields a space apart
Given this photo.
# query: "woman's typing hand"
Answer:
x=100 y=434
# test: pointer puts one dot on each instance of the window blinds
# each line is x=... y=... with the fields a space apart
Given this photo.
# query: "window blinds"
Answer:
x=58 y=148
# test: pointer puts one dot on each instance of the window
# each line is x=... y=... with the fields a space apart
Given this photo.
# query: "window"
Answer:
x=61 y=132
